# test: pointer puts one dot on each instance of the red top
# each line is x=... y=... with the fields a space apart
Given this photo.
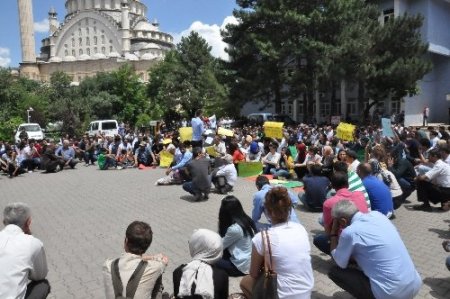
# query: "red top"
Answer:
x=356 y=197
x=238 y=156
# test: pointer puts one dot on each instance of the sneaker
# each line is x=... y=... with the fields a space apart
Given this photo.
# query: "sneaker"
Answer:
x=30 y=171
x=58 y=168
x=119 y=167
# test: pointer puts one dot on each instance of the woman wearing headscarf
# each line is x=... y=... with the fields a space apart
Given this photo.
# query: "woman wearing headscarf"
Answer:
x=199 y=278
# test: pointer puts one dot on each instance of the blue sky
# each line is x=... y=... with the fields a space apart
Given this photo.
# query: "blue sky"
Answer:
x=177 y=17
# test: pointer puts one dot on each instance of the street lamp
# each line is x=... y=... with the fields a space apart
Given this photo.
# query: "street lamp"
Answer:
x=28 y=113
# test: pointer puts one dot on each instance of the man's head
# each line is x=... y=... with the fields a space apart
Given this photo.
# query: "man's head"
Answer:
x=351 y=156
x=217 y=139
x=19 y=214
x=198 y=113
x=363 y=170
x=339 y=180
x=340 y=166
x=196 y=152
x=261 y=181
x=66 y=143
x=315 y=169
x=343 y=212
x=434 y=155
x=138 y=237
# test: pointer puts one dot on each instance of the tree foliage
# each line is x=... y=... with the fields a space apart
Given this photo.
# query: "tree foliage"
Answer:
x=187 y=80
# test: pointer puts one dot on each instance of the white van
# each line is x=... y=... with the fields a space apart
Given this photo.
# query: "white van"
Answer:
x=110 y=127
x=33 y=130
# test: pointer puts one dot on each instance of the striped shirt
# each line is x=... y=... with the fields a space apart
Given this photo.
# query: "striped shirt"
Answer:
x=355 y=184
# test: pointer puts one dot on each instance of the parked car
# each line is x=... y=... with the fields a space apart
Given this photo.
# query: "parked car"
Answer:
x=33 y=131
x=110 y=127
x=260 y=118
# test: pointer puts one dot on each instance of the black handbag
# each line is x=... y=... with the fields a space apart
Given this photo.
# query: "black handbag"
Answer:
x=266 y=285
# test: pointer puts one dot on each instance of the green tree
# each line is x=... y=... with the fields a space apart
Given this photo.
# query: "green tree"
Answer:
x=187 y=80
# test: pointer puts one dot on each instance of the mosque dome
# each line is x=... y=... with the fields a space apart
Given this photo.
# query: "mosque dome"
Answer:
x=84 y=57
x=145 y=26
x=55 y=59
x=69 y=58
x=148 y=56
x=129 y=56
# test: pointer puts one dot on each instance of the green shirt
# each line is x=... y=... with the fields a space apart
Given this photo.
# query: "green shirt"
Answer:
x=355 y=184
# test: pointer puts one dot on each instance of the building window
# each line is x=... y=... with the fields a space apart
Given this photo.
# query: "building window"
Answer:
x=80 y=52
x=103 y=50
x=80 y=41
x=388 y=14
x=324 y=109
x=352 y=107
x=88 y=51
x=95 y=30
x=95 y=50
x=66 y=53
x=395 y=107
x=103 y=39
x=87 y=31
x=79 y=32
x=88 y=42
x=65 y=46
x=110 y=49
x=95 y=40
x=73 y=42
x=73 y=52
x=87 y=21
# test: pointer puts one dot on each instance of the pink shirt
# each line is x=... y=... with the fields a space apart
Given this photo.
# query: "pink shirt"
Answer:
x=356 y=197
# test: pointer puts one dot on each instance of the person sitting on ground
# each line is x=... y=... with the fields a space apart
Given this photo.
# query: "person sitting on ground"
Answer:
x=67 y=153
x=290 y=250
x=271 y=159
x=285 y=166
x=327 y=161
x=237 y=230
x=315 y=187
x=23 y=157
x=352 y=160
x=403 y=171
x=238 y=156
x=23 y=262
x=51 y=162
x=219 y=146
x=224 y=177
x=182 y=156
x=198 y=170
x=105 y=160
x=263 y=185
x=434 y=185
x=372 y=241
x=200 y=278
x=354 y=181
x=446 y=245
x=10 y=164
x=142 y=156
x=339 y=182
x=254 y=152
x=445 y=153
x=379 y=194
x=90 y=154
x=134 y=275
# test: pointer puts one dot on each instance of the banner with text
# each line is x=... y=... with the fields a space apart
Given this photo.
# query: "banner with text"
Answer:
x=273 y=129
x=185 y=133
x=345 y=131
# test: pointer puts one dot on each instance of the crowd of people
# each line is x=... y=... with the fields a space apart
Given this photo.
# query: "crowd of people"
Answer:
x=356 y=185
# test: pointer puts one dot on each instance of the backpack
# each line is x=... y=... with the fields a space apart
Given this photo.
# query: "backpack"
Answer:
x=132 y=284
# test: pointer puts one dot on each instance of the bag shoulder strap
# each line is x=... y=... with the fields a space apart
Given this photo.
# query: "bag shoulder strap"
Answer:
x=268 y=262
x=116 y=280
x=133 y=283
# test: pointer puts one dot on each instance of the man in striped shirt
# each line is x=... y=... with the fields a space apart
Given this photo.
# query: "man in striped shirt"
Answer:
x=354 y=181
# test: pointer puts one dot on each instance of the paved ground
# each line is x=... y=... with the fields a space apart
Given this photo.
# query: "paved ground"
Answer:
x=81 y=216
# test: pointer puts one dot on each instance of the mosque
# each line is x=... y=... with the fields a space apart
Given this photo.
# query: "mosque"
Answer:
x=95 y=36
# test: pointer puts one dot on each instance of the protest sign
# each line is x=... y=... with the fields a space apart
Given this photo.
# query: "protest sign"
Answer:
x=246 y=169
x=345 y=131
x=210 y=150
x=225 y=132
x=387 y=129
x=165 y=159
x=185 y=133
x=273 y=129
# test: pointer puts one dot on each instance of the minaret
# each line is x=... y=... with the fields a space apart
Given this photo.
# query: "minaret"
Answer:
x=53 y=21
x=28 y=67
x=125 y=27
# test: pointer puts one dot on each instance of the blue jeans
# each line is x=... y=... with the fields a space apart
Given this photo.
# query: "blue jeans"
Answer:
x=190 y=188
x=280 y=173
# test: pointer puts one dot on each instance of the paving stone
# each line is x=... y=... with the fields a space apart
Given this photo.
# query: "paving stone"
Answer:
x=81 y=216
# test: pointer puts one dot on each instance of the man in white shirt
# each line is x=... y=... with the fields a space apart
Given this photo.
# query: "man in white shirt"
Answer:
x=434 y=185
x=224 y=178
x=23 y=264
x=271 y=159
x=135 y=275
x=219 y=146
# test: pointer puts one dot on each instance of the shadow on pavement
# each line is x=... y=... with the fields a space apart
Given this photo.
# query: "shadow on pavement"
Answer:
x=442 y=234
x=440 y=287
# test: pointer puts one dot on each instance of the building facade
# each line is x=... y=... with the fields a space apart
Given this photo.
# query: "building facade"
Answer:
x=95 y=36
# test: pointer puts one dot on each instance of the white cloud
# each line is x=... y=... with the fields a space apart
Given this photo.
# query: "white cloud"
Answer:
x=42 y=26
x=211 y=33
x=5 y=58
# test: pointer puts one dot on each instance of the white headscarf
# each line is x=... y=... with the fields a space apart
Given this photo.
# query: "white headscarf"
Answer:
x=206 y=248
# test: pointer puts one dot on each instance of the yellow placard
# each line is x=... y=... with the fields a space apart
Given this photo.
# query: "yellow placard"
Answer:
x=185 y=133
x=225 y=132
x=167 y=141
x=165 y=159
x=210 y=150
x=345 y=131
x=273 y=129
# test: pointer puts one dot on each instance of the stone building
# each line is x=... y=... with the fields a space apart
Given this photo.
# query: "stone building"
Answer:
x=95 y=36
